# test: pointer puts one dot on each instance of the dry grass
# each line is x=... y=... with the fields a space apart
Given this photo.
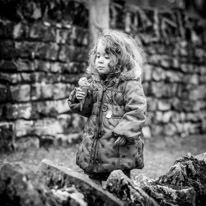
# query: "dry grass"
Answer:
x=159 y=155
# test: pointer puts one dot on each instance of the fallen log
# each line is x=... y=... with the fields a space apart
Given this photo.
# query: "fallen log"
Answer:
x=52 y=186
x=58 y=178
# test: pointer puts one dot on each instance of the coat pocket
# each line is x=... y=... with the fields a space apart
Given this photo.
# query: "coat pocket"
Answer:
x=131 y=155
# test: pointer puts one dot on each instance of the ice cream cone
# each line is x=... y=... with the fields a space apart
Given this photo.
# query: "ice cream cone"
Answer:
x=85 y=90
x=84 y=85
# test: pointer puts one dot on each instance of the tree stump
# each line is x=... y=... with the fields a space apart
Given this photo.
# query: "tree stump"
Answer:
x=184 y=184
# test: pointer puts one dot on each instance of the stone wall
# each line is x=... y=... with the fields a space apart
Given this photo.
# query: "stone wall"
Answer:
x=44 y=50
x=175 y=71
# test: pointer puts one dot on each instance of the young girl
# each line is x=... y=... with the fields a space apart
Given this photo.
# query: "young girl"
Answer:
x=115 y=105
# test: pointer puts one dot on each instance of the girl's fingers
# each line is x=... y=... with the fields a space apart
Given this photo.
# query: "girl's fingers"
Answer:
x=80 y=95
x=120 y=141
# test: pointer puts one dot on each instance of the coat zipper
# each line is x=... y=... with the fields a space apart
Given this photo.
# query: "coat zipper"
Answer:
x=94 y=145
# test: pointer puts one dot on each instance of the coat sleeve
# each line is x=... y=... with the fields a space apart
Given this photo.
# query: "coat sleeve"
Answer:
x=130 y=125
x=75 y=105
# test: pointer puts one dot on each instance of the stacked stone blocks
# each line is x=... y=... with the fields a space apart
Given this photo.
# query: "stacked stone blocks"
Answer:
x=42 y=55
x=40 y=62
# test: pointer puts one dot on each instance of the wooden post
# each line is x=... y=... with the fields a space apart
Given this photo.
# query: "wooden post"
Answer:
x=98 y=18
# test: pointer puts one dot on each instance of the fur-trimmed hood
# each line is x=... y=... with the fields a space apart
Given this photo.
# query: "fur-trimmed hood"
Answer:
x=125 y=75
x=132 y=74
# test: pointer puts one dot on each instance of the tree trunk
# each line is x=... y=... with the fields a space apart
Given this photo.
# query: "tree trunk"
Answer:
x=98 y=18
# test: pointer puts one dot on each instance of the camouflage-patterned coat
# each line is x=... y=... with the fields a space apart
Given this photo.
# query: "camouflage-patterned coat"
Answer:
x=116 y=107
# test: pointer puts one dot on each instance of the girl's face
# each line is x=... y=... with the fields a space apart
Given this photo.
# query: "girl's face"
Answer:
x=102 y=59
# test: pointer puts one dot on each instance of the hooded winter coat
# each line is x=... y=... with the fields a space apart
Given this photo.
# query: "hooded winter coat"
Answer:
x=114 y=107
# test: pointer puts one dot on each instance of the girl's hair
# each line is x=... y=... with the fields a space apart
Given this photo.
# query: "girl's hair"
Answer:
x=124 y=52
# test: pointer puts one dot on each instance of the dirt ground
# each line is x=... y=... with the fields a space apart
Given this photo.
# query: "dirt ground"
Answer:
x=160 y=155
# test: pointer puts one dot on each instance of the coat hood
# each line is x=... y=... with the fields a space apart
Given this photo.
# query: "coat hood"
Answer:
x=125 y=75
x=134 y=73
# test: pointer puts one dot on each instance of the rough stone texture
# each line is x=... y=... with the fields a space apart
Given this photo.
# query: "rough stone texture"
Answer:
x=6 y=137
x=184 y=184
x=61 y=177
x=44 y=50
x=188 y=171
x=123 y=187
x=54 y=186
x=18 y=190
x=169 y=194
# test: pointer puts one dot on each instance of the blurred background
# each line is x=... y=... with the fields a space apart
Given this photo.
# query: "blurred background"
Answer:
x=44 y=49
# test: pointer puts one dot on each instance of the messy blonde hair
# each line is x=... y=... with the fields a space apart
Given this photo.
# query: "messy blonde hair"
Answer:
x=124 y=52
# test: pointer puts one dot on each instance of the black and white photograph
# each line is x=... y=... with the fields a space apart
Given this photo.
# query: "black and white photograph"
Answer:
x=103 y=102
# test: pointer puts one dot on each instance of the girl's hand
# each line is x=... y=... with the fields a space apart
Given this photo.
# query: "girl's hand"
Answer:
x=120 y=141
x=80 y=95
